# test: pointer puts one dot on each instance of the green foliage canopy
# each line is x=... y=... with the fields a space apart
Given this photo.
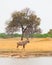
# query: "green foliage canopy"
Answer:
x=25 y=19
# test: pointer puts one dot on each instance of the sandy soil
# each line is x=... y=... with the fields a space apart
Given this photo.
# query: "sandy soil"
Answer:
x=36 y=44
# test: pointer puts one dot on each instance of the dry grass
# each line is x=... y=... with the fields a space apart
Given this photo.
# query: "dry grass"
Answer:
x=36 y=44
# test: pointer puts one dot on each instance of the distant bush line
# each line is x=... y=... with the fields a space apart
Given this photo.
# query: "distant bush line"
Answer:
x=41 y=35
x=3 y=35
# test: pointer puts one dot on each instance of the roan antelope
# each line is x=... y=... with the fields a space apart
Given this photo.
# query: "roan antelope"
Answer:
x=23 y=43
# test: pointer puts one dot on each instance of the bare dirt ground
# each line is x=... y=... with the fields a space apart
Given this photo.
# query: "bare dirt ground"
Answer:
x=36 y=47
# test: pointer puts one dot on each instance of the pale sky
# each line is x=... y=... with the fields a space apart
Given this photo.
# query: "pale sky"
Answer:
x=43 y=9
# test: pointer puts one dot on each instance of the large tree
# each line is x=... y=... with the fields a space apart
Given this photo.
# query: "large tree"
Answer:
x=50 y=31
x=25 y=19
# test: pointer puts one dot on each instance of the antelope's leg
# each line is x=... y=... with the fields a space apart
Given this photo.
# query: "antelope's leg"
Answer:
x=17 y=45
x=23 y=46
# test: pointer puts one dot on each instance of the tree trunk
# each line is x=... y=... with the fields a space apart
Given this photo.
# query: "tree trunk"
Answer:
x=22 y=37
x=22 y=34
